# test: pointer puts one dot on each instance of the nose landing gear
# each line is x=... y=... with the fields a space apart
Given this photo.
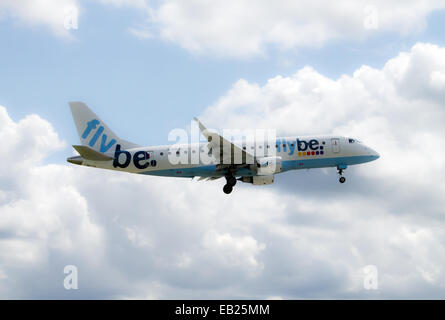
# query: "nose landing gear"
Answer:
x=340 y=172
x=228 y=187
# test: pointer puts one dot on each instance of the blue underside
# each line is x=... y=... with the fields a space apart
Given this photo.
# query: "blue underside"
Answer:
x=210 y=170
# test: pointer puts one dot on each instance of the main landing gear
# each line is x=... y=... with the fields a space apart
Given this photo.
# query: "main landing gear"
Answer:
x=231 y=181
x=340 y=172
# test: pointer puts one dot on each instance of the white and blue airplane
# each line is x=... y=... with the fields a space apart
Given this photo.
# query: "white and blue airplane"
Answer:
x=233 y=160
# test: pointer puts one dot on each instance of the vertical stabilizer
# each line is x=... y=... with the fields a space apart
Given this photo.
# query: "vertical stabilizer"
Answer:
x=93 y=132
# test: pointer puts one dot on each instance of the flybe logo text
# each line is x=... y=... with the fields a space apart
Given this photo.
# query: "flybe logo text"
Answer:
x=141 y=159
x=105 y=145
x=289 y=146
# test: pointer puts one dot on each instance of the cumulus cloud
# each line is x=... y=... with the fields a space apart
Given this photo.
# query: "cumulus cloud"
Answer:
x=40 y=210
x=306 y=236
x=234 y=251
x=57 y=15
x=53 y=14
x=245 y=28
x=126 y=3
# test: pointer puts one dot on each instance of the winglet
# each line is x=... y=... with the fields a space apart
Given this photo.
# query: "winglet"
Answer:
x=201 y=126
x=208 y=134
x=217 y=142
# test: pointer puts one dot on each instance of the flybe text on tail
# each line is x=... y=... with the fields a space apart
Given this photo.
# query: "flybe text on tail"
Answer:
x=104 y=144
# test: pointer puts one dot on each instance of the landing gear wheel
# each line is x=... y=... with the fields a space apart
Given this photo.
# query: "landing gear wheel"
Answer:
x=231 y=180
x=340 y=173
x=227 y=189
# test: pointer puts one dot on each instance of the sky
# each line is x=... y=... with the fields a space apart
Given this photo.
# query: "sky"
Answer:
x=371 y=70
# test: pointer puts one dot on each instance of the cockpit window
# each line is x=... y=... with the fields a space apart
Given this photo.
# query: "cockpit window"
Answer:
x=351 y=140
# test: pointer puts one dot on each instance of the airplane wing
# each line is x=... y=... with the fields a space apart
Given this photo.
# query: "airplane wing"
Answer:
x=224 y=150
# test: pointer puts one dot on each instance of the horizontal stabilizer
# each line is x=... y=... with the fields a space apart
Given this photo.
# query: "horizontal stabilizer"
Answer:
x=90 y=154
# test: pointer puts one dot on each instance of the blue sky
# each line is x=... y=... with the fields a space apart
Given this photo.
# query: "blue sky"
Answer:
x=147 y=67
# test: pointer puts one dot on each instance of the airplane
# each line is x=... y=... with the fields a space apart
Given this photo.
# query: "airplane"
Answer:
x=234 y=160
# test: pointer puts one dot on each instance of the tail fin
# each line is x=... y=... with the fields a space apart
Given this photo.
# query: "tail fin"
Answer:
x=93 y=132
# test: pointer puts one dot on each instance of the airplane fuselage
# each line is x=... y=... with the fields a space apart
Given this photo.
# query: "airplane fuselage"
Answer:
x=249 y=160
x=295 y=153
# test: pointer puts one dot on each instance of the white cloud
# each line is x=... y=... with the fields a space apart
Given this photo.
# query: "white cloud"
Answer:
x=236 y=251
x=306 y=236
x=50 y=13
x=57 y=14
x=141 y=32
x=40 y=210
x=126 y=3
x=245 y=28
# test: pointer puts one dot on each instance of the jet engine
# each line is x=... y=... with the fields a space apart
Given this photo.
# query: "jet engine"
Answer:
x=258 y=180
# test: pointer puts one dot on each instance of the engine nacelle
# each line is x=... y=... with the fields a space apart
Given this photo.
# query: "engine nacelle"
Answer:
x=268 y=166
x=258 y=180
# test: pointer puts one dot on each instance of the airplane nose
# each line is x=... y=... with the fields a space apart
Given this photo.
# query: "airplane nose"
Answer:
x=375 y=154
x=372 y=153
